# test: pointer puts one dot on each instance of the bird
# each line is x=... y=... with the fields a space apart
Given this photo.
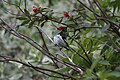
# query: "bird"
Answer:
x=59 y=41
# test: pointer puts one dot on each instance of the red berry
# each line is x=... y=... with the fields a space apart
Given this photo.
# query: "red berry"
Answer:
x=35 y=10
x=66 y=14
x=61 y=28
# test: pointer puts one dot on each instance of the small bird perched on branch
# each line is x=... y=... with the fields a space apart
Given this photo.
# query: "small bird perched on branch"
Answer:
x=59 y=41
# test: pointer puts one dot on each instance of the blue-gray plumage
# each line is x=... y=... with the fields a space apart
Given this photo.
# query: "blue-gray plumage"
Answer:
x=59 y=41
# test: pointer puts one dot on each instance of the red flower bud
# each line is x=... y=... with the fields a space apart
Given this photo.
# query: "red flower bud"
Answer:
x=61 y=28
x=66 y=14
x=36 y=10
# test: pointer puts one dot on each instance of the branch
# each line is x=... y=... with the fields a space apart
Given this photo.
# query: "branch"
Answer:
x=88 y=8
x=51 y=56
x=64 y=76
x=90 y=62
x=106 y=20
x=101 y=9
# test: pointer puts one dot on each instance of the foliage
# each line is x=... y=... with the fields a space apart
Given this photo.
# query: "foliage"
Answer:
x=91 y=29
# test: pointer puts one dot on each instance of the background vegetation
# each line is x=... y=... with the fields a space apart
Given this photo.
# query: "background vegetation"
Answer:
x=92 y=30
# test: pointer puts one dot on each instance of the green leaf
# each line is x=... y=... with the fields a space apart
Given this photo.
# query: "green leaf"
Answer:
x=43 y=9
x=103 y=75
x=25 y=22
x=104 y=49
x=94 y=64
x=104 y=62
x=26 y=11
x=63 y=69
x=21 y=18
x=31 y=24
x=115 y=73
x=115 y=4
x=76 y=59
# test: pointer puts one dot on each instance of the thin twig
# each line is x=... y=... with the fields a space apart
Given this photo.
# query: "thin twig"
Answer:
x=90 y=62
x=72 y=66
x=88 y=8
x=6 y=59
x=101 y=9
